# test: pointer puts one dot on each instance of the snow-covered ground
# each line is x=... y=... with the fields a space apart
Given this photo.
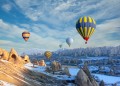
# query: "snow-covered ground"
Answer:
x=73 y=72
x=108 y=79
x=93 y=68
x=35 y=68
x=6 y=83
x=93 y=58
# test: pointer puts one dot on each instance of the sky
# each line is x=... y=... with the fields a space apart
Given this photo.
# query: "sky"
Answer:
x=50 y=22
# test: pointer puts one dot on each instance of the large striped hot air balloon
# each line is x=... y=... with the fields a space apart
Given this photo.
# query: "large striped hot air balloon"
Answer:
x=26 y=35
x=48 y=54
x=86 y=27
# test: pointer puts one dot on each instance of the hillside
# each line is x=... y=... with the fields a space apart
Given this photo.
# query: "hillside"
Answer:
x=16 y=75
x=21 y=76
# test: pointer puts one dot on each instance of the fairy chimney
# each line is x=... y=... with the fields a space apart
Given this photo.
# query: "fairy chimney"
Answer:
x=83 y=80
x=56 y=66
x=42 y=63
x=66 y=71
x=26 y=59
x=4 y=54
x=15 y=58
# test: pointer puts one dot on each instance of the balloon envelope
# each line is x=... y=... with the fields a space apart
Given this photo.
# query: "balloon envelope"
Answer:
x=69 y=41
x=48 y=54
x=86 y=27
x=60 y=45
x=26 y=35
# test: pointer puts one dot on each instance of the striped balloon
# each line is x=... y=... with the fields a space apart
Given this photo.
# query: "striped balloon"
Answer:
x=86 y=27
x=48 y=54
x=25 y=35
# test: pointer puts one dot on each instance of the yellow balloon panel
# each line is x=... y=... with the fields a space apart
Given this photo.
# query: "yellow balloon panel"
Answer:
x=48 y=54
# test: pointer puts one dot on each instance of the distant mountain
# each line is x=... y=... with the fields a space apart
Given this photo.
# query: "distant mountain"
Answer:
x=34 y=51
x=59 y=50
x=78 y=52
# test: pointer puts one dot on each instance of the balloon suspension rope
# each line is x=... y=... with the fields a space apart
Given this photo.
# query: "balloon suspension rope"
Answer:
x=86 y=47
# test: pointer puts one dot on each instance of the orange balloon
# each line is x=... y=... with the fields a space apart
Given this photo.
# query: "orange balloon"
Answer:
x=26 y=35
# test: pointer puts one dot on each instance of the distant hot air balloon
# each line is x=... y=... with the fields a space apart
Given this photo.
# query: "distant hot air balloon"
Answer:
x=25 y=35
x=60 y=45
x=86 y=27
x=48 y=54
x=69 y=41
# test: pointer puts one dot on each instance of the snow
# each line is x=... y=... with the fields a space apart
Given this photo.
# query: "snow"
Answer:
x=41 y=69
x=108 y=79
x=93 y=68
x=47 y=63
x=35 y=68
x=93 y=58
x=6 y=83
x=63 y=77
x=73 y=71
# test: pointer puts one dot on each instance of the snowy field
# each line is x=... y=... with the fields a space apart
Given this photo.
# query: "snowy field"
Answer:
x=93 y=58
x=41 y=69
x=73 y=71
x=108 y=79
x=36 y=68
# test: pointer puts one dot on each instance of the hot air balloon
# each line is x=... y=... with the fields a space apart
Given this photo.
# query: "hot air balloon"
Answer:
x=48 y=54
x=60 y=45
x=86 y=27
x=25 y=35
x=69 y=41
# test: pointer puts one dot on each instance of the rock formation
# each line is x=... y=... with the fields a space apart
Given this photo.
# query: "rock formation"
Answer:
x=84 y=77
x=102 y=83
x=42 y=63
x=20 y=76
x=48 y=69
x=15 y=58
x=83 y=80
x=66 y=71
x=26 y=59
x=4 y=54
x=56 y=66
x=86 y=70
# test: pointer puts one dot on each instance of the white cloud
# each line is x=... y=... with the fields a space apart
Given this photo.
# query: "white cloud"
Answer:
x=10 y=30
x=4 y=42
x=7 y=7
x=60 y=12
x=14 y=38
